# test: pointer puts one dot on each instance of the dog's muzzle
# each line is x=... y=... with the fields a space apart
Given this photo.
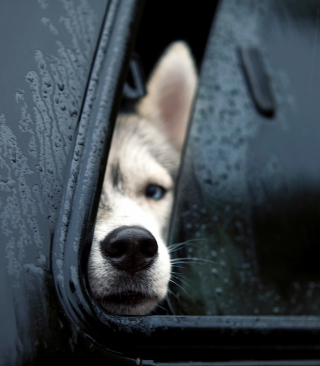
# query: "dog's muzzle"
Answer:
x=130 y=248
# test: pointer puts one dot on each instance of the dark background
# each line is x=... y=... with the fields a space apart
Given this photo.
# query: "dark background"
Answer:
x=165 y=21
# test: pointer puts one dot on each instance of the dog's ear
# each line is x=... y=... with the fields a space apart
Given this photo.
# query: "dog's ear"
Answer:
x=170 y=92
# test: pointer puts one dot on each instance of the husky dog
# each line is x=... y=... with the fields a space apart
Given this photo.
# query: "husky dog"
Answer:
x=129 y=264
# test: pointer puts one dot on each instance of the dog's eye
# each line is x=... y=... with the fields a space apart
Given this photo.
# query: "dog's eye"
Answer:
x=155 y=192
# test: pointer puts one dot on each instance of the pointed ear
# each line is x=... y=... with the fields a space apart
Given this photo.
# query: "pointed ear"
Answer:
x=170 y=92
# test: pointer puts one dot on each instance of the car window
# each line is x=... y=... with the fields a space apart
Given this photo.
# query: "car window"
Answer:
x=248 y=204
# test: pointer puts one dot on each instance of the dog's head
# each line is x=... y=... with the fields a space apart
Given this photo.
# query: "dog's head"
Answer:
x=129 y=265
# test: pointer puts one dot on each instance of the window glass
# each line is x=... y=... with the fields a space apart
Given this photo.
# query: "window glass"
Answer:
x=248 y=200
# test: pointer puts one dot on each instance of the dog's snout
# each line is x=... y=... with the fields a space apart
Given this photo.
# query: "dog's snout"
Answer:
x=130 y=248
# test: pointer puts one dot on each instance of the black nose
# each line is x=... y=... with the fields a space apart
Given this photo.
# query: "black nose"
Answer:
x=130 y=248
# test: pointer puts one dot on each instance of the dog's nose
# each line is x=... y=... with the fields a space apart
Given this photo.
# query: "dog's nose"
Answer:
x=130 y=248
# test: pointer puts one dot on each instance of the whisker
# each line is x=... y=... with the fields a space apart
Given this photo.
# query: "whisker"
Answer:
x=161 y=307
x=177 y=265
x=180 y=287
x=173 y=294
x=177 y=274
x=174 y=247
x=181 y=280
x=186 y=260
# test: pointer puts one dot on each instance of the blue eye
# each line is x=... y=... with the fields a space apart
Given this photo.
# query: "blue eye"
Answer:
x=155 y=192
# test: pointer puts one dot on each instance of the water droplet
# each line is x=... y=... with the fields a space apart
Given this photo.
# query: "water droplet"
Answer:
x=11 y=183
x=215 y=272
x=276 y=310
x=73 y=112
x=59 y=263
x=213 y=254
x=42 y=259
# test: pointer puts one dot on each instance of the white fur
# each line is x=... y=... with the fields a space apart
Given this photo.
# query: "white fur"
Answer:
x=146 y=148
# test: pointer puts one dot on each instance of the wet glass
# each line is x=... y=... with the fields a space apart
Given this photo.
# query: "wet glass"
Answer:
x=248 y=201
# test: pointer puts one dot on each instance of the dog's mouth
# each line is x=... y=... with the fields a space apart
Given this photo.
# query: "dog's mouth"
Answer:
x=129 y=303
x=127 y=298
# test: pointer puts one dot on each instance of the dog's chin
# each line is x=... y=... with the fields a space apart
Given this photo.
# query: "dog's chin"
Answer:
x=132 y=303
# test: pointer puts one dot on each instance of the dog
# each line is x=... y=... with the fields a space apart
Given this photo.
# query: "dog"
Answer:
x=129 y=264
